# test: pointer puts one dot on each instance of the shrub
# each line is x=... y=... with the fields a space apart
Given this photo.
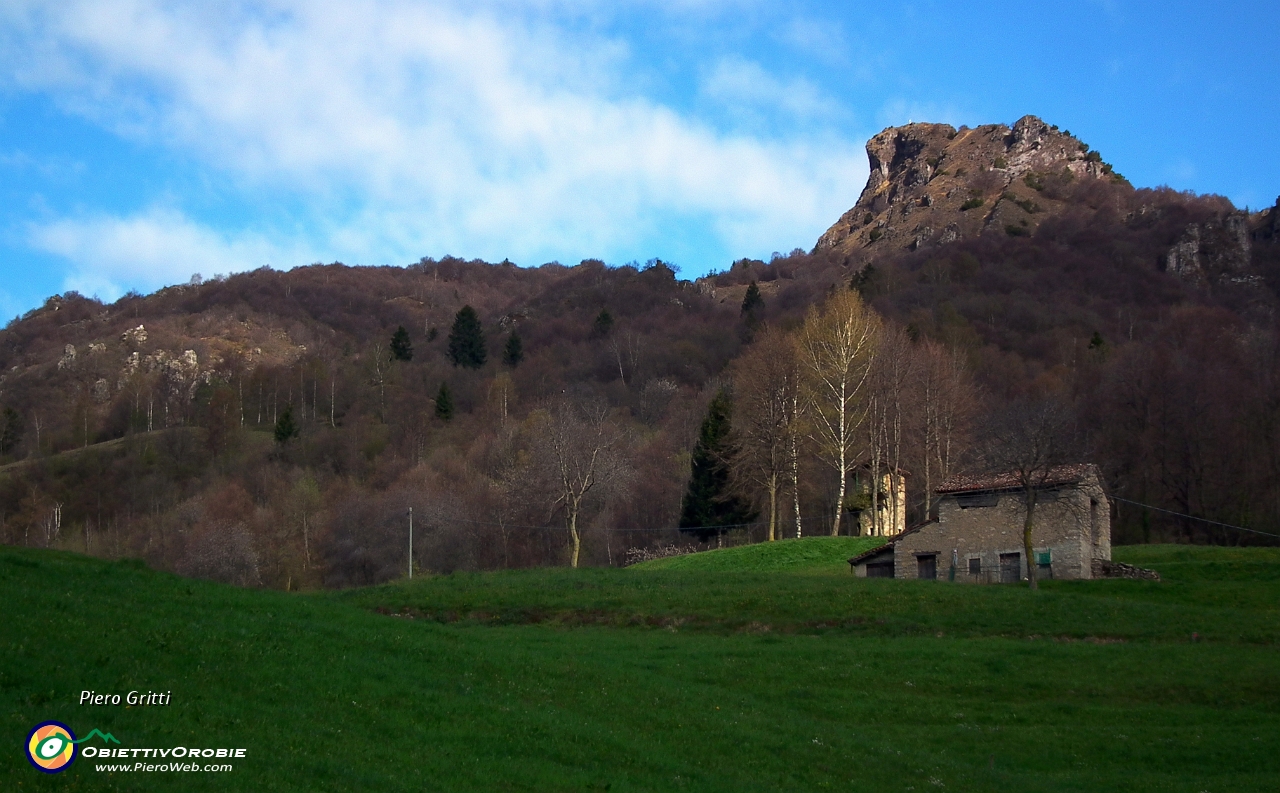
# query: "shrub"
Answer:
x=1028 y=206
x=972 y=203
x=875 y=234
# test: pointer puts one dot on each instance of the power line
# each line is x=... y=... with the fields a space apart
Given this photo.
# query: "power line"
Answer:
x=1193 y=517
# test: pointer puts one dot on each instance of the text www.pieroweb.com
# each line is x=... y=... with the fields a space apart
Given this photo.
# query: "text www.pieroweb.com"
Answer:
x=179 y=760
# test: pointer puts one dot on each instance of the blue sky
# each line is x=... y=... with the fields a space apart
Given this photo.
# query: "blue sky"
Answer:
x=142 y=141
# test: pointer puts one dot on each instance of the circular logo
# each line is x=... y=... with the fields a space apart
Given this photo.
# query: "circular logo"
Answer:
x=51 y=747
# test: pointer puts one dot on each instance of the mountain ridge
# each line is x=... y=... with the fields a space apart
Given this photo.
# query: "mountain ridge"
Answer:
x=1106 y=290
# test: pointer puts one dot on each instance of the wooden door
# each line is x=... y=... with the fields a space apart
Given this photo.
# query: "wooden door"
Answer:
x=1010 y=568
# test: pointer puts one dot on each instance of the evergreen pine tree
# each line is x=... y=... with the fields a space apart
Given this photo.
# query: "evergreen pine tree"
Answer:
x=466 y=340
x=513 y=352
x=752 y=300
x=285 y=426
x=444 y=403
x=865 y=282
x=709 y=506
x=1098 y=346
x=12 y=433
x=603 y=324
x=401 y=348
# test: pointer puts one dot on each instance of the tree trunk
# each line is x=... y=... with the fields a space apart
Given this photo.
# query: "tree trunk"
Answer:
x=773 y=507
x=576 y=538
x=843 y=468
x=1026 y=536
x=795 y=480
x=874 y=427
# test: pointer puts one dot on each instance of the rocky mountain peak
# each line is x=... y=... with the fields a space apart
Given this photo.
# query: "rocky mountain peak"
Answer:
x=931 y=184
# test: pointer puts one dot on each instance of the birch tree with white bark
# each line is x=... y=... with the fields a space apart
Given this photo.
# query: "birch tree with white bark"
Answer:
x=838 y=345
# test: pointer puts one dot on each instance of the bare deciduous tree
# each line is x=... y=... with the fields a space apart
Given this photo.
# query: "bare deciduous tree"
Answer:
x=947 y=399
x=892 y=386
x=582 y=452
x=765 y=388
x=304 y=502
x=1029 y=440
x=838 y=346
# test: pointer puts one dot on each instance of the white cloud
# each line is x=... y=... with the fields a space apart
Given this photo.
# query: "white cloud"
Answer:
x=158 y=247
x=460 y=129
x=744 y=84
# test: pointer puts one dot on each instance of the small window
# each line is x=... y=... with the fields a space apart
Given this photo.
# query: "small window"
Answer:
x=1044 y=564
x=970 y=500
x=927 y=566
x=975 y=566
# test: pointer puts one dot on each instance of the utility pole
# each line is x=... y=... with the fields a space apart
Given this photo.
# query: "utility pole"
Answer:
x=410 y=543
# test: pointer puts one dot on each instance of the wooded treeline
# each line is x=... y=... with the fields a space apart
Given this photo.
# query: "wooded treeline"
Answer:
x=148 y=427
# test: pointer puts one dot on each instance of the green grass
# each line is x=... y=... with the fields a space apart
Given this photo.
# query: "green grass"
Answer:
x=704 y=592
x=636 y=679
x=811 y=555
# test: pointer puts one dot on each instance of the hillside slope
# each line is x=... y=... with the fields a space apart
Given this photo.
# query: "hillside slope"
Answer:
x=146 y=427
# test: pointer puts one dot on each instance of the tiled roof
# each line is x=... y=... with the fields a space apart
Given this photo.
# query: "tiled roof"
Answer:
x=889 y=546
x=1062 y=474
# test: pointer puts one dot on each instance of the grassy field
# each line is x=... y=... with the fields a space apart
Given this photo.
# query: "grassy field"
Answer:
x=821 y=555
x=726 y=671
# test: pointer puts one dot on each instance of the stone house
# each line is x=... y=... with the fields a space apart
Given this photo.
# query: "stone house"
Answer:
x=889 y=518
x=977 y=536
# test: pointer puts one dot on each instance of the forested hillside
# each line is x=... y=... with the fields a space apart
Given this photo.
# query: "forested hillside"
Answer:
x=274 y=428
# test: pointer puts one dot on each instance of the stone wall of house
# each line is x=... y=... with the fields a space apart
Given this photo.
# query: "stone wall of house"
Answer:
x=1072 y=523
x=860 y=570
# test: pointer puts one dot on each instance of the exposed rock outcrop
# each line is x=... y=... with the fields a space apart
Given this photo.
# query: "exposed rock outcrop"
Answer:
x=1266 y=224
x=931 y=184
x=1213 y=252
x=135 y=336
x=1105 y=568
